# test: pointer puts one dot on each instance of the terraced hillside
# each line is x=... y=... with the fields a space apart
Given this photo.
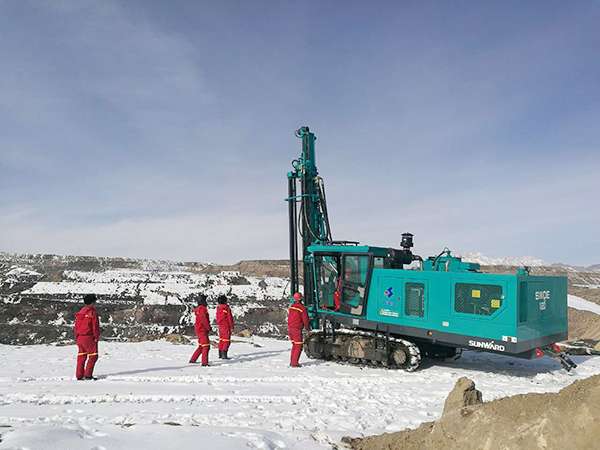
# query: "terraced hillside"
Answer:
x=39 y=295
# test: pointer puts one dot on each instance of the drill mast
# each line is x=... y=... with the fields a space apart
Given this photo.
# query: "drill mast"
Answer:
x=308 y=217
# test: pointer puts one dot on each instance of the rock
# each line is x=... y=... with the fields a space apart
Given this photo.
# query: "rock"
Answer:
x=177 y=339
x=597 y=347
x=244 y=334
x=463 y=394
x=239 y=281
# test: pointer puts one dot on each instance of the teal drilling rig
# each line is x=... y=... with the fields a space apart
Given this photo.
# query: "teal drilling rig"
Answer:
x=369 y=307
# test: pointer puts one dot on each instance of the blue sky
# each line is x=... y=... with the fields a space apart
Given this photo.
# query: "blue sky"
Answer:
x=165 y=129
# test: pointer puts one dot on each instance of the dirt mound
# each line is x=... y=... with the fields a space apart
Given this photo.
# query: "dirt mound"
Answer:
x=583 y=324
x=244 y=334
x=569 y=419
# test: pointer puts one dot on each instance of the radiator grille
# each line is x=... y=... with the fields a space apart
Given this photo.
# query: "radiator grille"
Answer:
x=478 y=299
x=414 y=294
x=523 y=302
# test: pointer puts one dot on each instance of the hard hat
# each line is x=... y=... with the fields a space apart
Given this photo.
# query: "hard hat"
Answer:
x=298 y=297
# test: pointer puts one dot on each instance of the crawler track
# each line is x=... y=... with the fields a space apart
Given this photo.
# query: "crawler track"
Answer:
x=363 y=348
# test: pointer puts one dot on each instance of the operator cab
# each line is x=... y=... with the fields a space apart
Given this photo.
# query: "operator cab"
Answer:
x=343 y=270
x=342 y=281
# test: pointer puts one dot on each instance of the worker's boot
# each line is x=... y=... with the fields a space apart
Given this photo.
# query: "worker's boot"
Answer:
x=225 y=354
x=220 y=354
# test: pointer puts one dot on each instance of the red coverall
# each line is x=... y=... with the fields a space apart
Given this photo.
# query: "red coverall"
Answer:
x=202 y=328
x=297 y=319
x=225 y=322
x=337 y=294
x=87 y=333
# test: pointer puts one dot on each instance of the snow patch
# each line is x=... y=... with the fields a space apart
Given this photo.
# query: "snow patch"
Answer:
x=582 y=304
x=21 y=272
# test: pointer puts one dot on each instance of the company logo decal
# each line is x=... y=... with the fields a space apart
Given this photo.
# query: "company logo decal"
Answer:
x=389 y=292
x=487 y=345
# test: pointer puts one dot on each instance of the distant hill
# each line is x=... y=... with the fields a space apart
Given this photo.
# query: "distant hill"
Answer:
x=521 y=261
x=480 y=258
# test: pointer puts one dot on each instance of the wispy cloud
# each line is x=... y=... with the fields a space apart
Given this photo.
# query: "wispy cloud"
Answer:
x=147 y=129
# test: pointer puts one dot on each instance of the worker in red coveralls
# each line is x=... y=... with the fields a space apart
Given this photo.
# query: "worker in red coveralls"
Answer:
x=87 y=333
x=337 y=295
x=225 y=322
x=297 y=319
x=202 y=329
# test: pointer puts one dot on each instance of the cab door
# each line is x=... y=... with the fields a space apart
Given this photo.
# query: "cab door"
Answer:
x=356 y=276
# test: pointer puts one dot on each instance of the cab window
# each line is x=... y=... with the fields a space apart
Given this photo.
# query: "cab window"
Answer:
x=355 y=269
x=354 y=286
x=327 y=273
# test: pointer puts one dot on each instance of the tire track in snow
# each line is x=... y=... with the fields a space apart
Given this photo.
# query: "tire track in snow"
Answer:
x=47 y=399
x=401 y=378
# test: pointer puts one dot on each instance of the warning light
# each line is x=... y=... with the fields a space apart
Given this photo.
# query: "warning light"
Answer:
x=556 y=348
x=539 y=353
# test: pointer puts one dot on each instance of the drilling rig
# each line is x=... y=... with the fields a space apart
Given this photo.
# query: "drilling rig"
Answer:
x=389 y=306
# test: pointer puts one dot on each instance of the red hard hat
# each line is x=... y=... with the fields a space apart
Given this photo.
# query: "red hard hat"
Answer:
x=297 y=297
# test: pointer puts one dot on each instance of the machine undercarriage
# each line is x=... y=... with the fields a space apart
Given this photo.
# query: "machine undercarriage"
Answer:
x=362 y=347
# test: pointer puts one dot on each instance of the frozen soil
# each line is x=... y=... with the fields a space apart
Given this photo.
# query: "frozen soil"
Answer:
x=569 y=419
x=149 y=397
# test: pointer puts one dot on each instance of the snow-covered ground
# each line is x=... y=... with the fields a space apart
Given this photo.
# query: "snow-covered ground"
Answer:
x=149 y=396
x=582 y=304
